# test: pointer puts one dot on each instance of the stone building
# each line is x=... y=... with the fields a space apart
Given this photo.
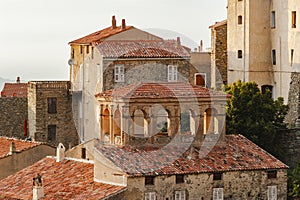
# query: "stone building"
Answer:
x=50 y=116
x=262 y=43
x=13 y=110
x=18 y=154
x=219 y=54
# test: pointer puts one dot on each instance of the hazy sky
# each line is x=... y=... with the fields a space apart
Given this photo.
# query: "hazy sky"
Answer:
x=34 y=34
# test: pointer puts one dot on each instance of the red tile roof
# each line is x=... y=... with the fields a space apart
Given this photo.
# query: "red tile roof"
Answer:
x=217 y=24
x=99 y=36
x=237 y=154
x=61 y=180
x=21 y=145
x=160 y=90
x=142 y=49
x=14 y=90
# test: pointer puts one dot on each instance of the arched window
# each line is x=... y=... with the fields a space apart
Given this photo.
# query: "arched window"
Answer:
x=117 y=127
x=211 y=124
x=139 y=123
x=106 y=125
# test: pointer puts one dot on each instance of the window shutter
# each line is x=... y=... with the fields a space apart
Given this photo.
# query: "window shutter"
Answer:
x=218 y=194
x=172 y=73
x=272 y=192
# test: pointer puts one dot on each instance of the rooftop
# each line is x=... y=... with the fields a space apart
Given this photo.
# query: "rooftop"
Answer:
x=61 y=180
x=217 y=24
x=237 y=154
x=14 y=90
x=21 y=145
x=143 y=49
x=160 y=90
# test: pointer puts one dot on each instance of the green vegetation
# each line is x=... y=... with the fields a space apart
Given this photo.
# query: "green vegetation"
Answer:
x=294 y=182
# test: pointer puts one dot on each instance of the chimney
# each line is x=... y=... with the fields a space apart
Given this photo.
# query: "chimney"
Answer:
x=18 y=79
x=3 y=94
x=201 y=46
x=178 y=42
x=38 y=190
x=123 y=24
x=60 y=152
x=12 y=148
x=114 y=22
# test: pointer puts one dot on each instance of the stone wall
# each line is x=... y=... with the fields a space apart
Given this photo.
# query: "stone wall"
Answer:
x=293 y=100
x=13 y=112
x=40 y=118
x=236 y=185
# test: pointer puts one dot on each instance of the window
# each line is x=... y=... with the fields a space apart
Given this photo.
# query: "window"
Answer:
x=294 y=19
x=172 y=73
x=240 y=19
x=150 y=196
x=200 y=79
x=292 y=56
x=179 y=178
x=52 y=105
x=81 y=49
x=180 y=195
x=87 y=49
x=51 y=132
x=149 y=180
x=240 y=54
x=218 y=194
x=83 y=153
x=217 y=176
x=274 y=57
x=272 y=192
x=273 y=19
x=92 y=52
x=119 y=73
x=72 y=53
x=272 y=174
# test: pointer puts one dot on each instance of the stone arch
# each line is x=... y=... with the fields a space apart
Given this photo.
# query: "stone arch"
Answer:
x=140 y=124
x=117 y=127
x=210 y=121
x=106 y=125
x=187 y=121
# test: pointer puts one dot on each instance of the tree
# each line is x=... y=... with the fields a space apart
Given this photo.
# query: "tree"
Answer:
x=253 y=114
x=294 y=183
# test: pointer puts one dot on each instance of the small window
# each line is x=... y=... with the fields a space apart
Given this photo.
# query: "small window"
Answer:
x=240 y=54
x=150 y=196
x=72 y=53
x=274 y=57
x=218 y=194
x=119 y=73
x=51 y=133
x=180 y=195
x=149 y=180
x=292 y=56
x=52 y=105
x=200 y=79
x=272 y=174
x=294 y=22
x=273 y=19
x=83 y=153
x=240 y=19
x=272 y=192
x=179 y=178
x=172 y=73
x=87 y=49
x=217 y=176
x=81 y=49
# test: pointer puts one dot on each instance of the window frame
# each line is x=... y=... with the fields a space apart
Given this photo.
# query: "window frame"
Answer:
x=294 y=19
x=274 y=57
x=149 y=180
x=179 y=178
x=172 y=73
x=179 y=195
x=50 y=128
x=218 y=193
x=203 y=76
x=150 y=195
x=240 y=19
x=272 y=192
x=217 y=176
x=52 y=105
x=240 y=54
x=273 y=19
x=119 y=72
x=272 y=174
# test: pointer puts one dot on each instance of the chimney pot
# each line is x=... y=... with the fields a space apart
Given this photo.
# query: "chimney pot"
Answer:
x=114 y=22
x=12 y=148
x=178 y=41
x=123 y=24
x=18 y=79
x=38 y=190
x=60 y=152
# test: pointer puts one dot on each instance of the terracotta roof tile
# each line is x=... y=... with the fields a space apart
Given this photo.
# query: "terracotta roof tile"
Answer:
x=14 y=90
x=160 y=90
x=61 y=180
x=238 y=153
x=99 y=36
x=142 y=49
x=21 y=145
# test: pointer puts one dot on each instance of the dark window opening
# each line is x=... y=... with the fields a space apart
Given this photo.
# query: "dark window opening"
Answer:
x=73 y=53
x=92 y=52
x=81 y=49
x=87 y=49
x=51 y=133
x=272 y=174
x=52 y=104
x=273 y=20
x=185 y=122
x=200 y=80
x=83 y=153
x=292 y=56
x=240 y=54
x=274 y=57
x=179 y=178
x=240 y=19
x=217 y=176
x=149 y=180
x=294 y=19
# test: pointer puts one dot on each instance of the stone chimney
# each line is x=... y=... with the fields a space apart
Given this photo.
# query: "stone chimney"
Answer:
x=18 y=79
x=178 y=42
x=12 y=148
x=200 y=46
x=123 y=24
x=60 y=152
x=114 y=22
x=38 y=190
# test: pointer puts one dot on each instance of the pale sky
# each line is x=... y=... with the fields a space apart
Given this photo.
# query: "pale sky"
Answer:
x=34 y=34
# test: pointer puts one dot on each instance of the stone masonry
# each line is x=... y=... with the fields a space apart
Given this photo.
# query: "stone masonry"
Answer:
x=13 y=112
x=40 y=119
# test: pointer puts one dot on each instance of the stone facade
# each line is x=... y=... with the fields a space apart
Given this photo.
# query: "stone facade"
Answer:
x=13 y=112
x=236 y=185
x=294 y=100
x=60 y=122
x=219 y=54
